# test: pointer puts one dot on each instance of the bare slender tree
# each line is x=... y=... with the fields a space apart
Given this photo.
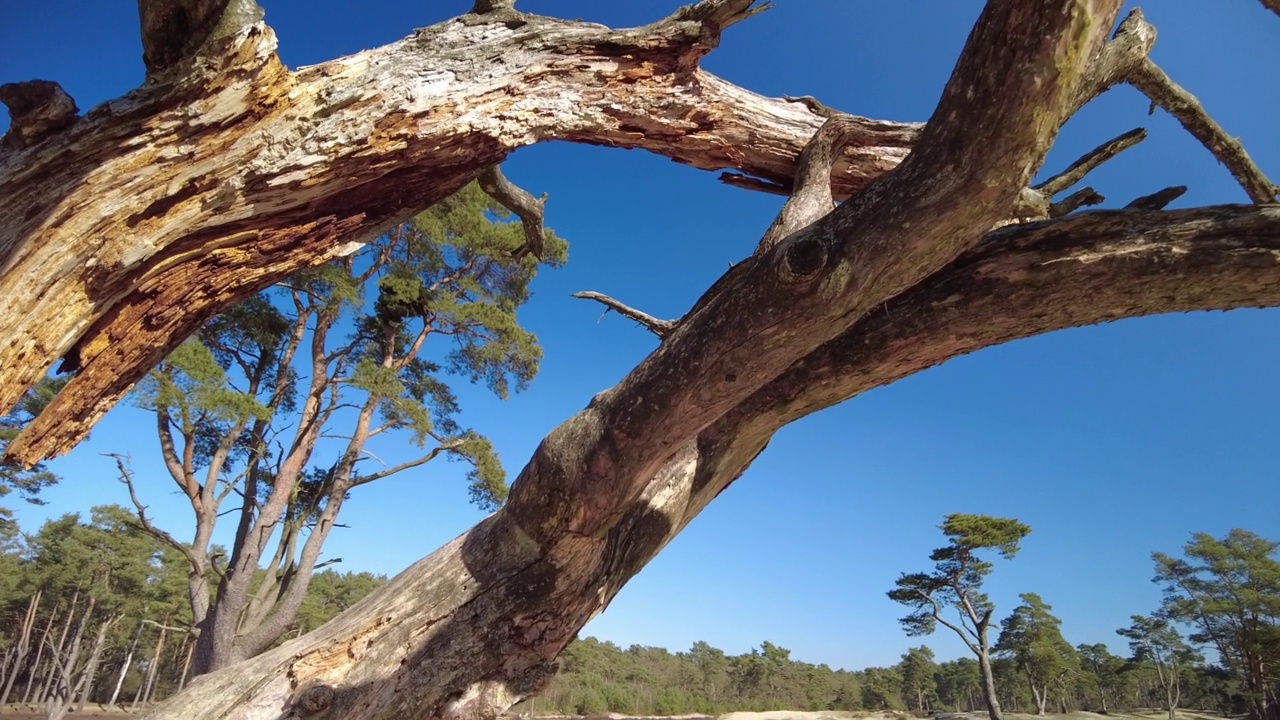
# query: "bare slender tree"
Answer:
x=123 y=230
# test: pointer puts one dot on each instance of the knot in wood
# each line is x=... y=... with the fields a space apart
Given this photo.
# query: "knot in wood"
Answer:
x=314 y=698
x=803 y=258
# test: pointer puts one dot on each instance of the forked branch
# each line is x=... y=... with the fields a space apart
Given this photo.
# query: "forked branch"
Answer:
x=1148 y=78
x=144 y=523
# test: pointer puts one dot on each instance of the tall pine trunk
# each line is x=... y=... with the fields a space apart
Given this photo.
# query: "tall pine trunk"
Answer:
x=128 y=660
x=21 y=648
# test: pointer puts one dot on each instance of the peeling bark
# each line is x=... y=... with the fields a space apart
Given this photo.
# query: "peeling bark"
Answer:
x=280 y=170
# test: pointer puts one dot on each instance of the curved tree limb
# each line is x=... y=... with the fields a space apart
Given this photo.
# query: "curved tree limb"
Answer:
x=904 y=275
x=518 y=201
x=295 y=169
x=1020 y=281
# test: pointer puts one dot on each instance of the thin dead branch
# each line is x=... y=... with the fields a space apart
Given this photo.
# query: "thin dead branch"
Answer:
x=1076 y=171
x=1163 y=92
x=1157 y=200
x=446 y=446
x=1075 y=201
x=746 y=182
x=144 y=524
x=661 y=328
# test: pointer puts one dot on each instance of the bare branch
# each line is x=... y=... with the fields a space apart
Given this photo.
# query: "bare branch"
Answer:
x=937 y=615
x=1158 y=200
x=1075 y=201
x=1090 y=160
x=717 y=15
x=518 y=201
x=144 y=524
x=1272 y=5
x=661 y=328
x=435 y=452
x=747 y=182
x=1186 y=109
x=187 y=630
x=37 y=109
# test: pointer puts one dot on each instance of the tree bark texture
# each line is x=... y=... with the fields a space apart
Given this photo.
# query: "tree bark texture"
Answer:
x=123 y=230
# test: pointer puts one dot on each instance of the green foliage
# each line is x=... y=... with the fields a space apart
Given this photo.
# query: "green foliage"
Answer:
x=1228 y=592
x=1102 y=673
x=136 y=583
x=959 y=684
x=596 y=677
x=1031 y=637
x=28 y=482
x=919 y=678
x=958 y=574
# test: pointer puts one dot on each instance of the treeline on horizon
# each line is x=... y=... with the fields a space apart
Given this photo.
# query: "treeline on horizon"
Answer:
x=596 y=678
x=92 y=610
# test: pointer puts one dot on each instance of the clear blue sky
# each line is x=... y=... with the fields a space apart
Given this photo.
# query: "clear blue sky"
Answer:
x=1111 y=441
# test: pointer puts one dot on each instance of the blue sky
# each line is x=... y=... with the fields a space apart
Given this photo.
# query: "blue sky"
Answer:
x=1111 y=441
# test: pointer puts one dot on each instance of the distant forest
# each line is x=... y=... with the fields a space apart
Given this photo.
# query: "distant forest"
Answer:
x=599 y=677
x=94 y=610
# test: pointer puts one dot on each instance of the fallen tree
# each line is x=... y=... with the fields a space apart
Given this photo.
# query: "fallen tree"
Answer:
x=123 y=230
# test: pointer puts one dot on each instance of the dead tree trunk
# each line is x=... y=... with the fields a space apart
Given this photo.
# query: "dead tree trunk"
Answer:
x=60 y=697
x=128 y=660
x=85 y=685
x=21 y=647
x=35 y=665
x=120 y=234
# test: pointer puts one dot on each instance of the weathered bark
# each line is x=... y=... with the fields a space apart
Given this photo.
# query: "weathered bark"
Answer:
x=291 y=167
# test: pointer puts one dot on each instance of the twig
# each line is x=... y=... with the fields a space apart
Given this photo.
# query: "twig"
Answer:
x=1157 y=200
x=520 y=202
x=1076 y=171
x=172 y=628
x=1272 y=5
x=1075 y=201
x=661 y=328
x=1151 y=81
x=126 y=477
x=435 y=452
